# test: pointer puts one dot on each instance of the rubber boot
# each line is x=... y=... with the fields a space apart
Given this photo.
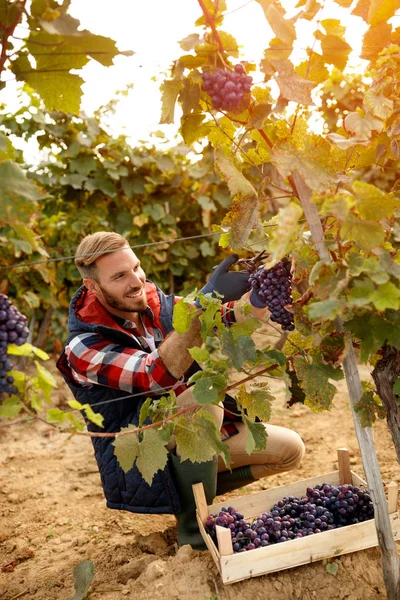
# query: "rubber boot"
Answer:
x=185 y=474
x=228 y=481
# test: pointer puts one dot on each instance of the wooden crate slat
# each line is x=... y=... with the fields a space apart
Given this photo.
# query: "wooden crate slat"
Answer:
x=209 y=543
x=303 y=550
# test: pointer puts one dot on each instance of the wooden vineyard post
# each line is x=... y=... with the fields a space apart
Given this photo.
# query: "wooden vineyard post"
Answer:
x=344 y=466
x=392 y=490
x=390 y=559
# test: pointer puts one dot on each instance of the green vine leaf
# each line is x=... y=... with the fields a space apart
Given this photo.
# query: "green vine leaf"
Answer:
x=239 y=351
x=314 y=380
x=126 y=448
x=198 y=438
x=257 y=401
x=208 y=387
x=256 y=436
x=152 y=454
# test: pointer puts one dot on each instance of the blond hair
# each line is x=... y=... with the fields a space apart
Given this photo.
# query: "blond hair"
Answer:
x=95 y=245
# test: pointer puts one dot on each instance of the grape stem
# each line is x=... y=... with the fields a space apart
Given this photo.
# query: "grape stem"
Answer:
x=211 y=23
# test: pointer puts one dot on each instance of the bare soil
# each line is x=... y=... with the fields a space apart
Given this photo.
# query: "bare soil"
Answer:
x=53 y=516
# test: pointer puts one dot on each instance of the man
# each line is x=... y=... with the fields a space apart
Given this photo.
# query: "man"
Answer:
x=122 y=349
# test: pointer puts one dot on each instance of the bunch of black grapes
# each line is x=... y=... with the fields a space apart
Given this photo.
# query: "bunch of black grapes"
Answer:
x=325 y=507
x=226 y=88
x=13 y=330
x=274 y=286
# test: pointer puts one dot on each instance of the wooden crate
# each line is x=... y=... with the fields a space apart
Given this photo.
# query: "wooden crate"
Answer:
x=293 y=553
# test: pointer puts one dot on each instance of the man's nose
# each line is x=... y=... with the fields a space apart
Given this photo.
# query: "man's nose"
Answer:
x=135 y=280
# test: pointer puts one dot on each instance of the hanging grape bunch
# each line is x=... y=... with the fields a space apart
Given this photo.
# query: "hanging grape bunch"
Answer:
x=274 y=286
x=325 y=507
x=13 y=330
x=227 y=89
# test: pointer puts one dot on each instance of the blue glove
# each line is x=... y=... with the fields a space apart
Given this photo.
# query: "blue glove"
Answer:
x=230 y=285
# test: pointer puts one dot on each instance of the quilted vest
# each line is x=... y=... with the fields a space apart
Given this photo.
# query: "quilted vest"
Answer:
x=123 y=491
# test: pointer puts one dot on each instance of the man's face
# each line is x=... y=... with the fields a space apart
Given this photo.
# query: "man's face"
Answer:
x=120 y=282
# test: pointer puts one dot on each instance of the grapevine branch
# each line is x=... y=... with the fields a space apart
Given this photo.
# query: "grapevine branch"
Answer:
x=174 y=416
x=7 y=32
x=211 y=23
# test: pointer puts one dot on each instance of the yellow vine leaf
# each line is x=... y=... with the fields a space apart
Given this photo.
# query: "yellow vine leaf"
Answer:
x=382 y=10
x=375 y=39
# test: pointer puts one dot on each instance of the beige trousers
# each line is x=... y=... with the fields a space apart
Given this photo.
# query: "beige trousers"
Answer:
x=284 y=450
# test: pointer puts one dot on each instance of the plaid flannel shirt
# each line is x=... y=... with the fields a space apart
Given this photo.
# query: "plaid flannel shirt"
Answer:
x=95 y=360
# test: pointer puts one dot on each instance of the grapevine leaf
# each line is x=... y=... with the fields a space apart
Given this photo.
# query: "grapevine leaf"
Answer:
x=55 y=415
x=23 y=350
x=192 y=128
x=256 y=436
x=326 y=309
x=314 y=380
x=379 y=105
x=369 y=408
x=344 y=143
x=386 y=296
x=239 y=351
x=375 y=39
x=199 y=354
x=237 y=182
x=96 y=418
x=308 y=158
x=365 y=234
x=332 y=567
x=10 y=407
x=126 y=448
x=333 y=348
x=283 y=28
x=241 y=219
x=6 y=148
x=183 y=316
x=381 y=11
x=296 y=394
x=257 y=401
x=247 y=327
x=208 y=388
x=170 y=90
x=295 y=88
x=286 y=230
x=83 y=575
x=313 y=69
x=75 y=404
x=153 y=454
x=18 y=195
x=372 y=203
x=335 y=50
x=58 y=90
x=189 y=42
x=362 y=127
x=259 y=113
x=144 y=411
x=198 y=438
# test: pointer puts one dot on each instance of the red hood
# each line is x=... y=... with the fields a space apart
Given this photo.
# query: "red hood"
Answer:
x=89 y=310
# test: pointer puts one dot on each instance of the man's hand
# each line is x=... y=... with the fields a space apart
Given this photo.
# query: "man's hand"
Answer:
x=230 y=285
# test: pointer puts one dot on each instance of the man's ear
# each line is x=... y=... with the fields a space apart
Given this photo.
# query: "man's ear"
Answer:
x=91 y=284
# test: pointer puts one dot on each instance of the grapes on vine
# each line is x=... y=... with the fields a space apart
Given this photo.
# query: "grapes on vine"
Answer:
x=13 y=330
x=274 y=286
x=227 y=89
x=325 y=507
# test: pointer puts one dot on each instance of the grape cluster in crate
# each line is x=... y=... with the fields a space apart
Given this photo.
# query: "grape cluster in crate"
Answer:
x=325 y=507
x=13 y=330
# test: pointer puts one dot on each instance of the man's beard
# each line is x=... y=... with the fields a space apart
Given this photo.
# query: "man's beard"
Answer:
x=129 y=305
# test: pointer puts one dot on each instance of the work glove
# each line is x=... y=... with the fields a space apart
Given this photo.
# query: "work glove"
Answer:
x=230 y=285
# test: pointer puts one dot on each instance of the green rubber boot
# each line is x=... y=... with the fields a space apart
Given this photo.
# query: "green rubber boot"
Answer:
x=232 y=480
x=185 y=474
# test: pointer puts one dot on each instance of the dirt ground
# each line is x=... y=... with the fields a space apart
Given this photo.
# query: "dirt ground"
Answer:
x=53 y=516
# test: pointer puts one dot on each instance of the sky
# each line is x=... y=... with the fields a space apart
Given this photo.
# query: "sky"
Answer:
x=152 y=30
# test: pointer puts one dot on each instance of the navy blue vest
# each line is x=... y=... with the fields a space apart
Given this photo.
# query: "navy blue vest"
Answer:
x=124 y=491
